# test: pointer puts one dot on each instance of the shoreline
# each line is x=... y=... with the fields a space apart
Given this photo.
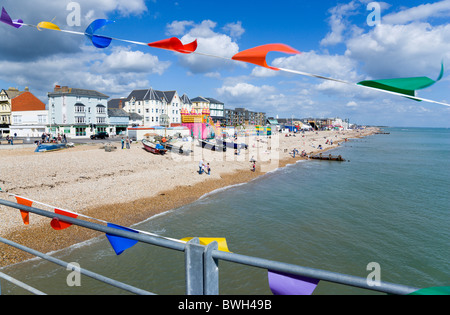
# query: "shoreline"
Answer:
x=41 y=237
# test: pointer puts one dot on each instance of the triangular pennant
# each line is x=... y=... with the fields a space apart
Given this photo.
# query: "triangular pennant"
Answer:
x=118 y=243
x=223 y=246
x=175 y=44
x=258 y=54
x=59 y=225
x=432 y=291
x=25 y=214
x=48 y=25
x=406 y=86
x=97 y=40
x=100 y=41
x=286 y=284
x=5 y=18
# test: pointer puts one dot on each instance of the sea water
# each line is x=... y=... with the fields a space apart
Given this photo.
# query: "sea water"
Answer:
x=388 y=203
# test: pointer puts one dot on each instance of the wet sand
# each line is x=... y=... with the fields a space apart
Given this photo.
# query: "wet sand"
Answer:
x=126 y=187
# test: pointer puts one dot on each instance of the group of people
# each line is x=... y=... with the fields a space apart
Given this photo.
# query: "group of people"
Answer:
x=204 y=168
x=295 y=151
x=46 y=137
x=126 y=142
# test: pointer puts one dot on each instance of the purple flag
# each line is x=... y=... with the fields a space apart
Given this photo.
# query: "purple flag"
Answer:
x=5 y=18
x=286 y=284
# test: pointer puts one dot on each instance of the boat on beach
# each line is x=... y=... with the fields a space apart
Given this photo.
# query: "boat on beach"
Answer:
x=46 y=147
x=177 y=149
x=154 y=148
x=211 y=146
x=231 y=145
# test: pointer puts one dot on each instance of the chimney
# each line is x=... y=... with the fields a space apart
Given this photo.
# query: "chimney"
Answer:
x=57 y=88
x=120 y=104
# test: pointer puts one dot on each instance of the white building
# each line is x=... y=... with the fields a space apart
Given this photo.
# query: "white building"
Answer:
x=157 y=108
x=77 y=112
x=29 y=116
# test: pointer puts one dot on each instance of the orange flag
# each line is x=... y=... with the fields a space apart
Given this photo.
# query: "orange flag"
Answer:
x=176 y=45
x=258 y=54
x=61 y=225
x=25 y=214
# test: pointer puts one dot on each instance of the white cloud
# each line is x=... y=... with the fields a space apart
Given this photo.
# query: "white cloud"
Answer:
x=419 y=13
x=125 y=60
x=234 y=29
x=415 y=49
x=338 y=23
x=115 y=74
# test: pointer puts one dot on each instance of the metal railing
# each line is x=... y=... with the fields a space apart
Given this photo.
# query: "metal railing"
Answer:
x=201 y=262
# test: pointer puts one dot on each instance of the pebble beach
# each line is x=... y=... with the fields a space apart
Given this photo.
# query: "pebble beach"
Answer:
x=128 y=186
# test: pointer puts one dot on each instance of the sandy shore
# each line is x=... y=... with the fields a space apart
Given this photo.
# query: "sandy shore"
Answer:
x=126 y=187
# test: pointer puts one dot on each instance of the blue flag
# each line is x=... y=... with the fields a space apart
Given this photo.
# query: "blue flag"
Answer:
x=118 y=243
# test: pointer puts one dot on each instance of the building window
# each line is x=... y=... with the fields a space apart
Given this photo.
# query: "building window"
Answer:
x=78 y=108
x=42 y=119
x=80 y=131
x=101 y=109
x=80 y=120
x=101 y=120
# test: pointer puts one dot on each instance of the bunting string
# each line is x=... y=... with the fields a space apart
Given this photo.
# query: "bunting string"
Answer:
x=115 y=241
x=404 y=87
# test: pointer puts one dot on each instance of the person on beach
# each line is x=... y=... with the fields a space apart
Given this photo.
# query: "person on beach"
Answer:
x=123 y=143
x=208 y=169
x=128 y=143
x=254 y=166
x=200 y=167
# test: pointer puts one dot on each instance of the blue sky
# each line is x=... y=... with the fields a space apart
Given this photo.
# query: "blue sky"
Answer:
x=335 y=39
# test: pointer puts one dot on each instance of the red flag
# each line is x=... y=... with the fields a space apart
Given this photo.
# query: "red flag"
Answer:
x=25 y=214
x=176 y=45
x=61 y=225
x=258 y=54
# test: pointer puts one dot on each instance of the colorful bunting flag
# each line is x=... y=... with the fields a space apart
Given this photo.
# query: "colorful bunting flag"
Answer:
x=286 y=284
x=258 y=54
x=207 y=240
x=58 y=224
x=97 y=40
x=118 y=243
x=432 y=291
x=48 y=25
x=25 y=214
x=406 y=86
x=5 y=18
x=175 y=44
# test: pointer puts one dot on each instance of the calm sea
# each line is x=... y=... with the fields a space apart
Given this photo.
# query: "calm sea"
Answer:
x=388 y=203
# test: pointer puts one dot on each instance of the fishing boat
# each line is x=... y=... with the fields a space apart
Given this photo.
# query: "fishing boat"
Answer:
x=232 y=145
x=211 y=146
x=46 y=147
x=154 y=148
x=177 y=149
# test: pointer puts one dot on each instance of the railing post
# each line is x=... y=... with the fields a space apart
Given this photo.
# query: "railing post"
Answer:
x=194 y=267
x=211 y=270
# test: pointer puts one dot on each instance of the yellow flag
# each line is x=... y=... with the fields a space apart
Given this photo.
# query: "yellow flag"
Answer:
x=207 y=240
x=48 y=25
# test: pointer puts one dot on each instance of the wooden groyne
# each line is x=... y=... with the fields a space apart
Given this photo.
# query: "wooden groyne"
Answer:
x=328 y=157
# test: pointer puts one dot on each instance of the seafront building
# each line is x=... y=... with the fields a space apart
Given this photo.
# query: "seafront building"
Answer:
x=29 y=116
x=77 y=112
x=6 y=97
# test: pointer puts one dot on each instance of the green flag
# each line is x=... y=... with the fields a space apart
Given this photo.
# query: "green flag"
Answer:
x=406 y=86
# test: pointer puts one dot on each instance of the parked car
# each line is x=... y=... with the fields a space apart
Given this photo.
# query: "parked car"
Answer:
x=100 y=135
